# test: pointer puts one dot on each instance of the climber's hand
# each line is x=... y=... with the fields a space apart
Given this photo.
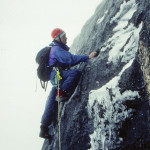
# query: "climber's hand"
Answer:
x=93 y=54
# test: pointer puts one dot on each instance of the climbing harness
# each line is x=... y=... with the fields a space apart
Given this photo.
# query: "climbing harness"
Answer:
x=58 y=84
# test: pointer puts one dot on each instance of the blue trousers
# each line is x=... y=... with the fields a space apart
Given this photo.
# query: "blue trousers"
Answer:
x=68 y=84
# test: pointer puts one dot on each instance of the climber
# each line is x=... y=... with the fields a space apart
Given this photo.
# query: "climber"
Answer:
x=63 y=60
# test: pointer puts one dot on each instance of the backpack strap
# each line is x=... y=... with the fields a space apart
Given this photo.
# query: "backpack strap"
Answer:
x=44 y=84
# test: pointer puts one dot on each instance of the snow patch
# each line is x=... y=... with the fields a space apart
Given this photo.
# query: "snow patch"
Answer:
x=126 y=11
x=106 y=107
x=123 y=44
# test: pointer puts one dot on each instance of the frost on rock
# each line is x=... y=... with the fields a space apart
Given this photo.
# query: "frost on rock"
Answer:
x=126 y=11
x=108 y=112
x=124 y=42
x=102 y=18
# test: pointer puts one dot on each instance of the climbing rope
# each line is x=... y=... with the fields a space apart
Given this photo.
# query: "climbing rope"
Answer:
x=58 y=79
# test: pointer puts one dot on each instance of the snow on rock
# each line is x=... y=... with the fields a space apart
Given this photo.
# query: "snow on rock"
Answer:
x=107 y=108
x=101 y=19
x=106 y=104
x=126 y=11
x=124 y=42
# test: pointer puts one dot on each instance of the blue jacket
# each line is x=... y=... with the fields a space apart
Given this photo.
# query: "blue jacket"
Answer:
x=63 y=58
x=60 y=54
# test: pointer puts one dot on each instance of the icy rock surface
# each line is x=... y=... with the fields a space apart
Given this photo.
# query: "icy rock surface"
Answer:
x=110 y=108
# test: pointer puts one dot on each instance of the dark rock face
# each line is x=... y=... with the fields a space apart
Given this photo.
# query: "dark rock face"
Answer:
x=110 y=107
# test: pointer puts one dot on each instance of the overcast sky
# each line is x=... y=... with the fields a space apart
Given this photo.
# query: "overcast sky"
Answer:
x=25 y=28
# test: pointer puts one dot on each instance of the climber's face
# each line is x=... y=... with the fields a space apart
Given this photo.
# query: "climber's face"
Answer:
x=64 y=39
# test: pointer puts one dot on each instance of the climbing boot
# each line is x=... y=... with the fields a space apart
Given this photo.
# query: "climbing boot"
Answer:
x=44 y=132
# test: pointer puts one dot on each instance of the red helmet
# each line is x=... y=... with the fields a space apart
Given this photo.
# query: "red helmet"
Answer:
x=56 y=32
